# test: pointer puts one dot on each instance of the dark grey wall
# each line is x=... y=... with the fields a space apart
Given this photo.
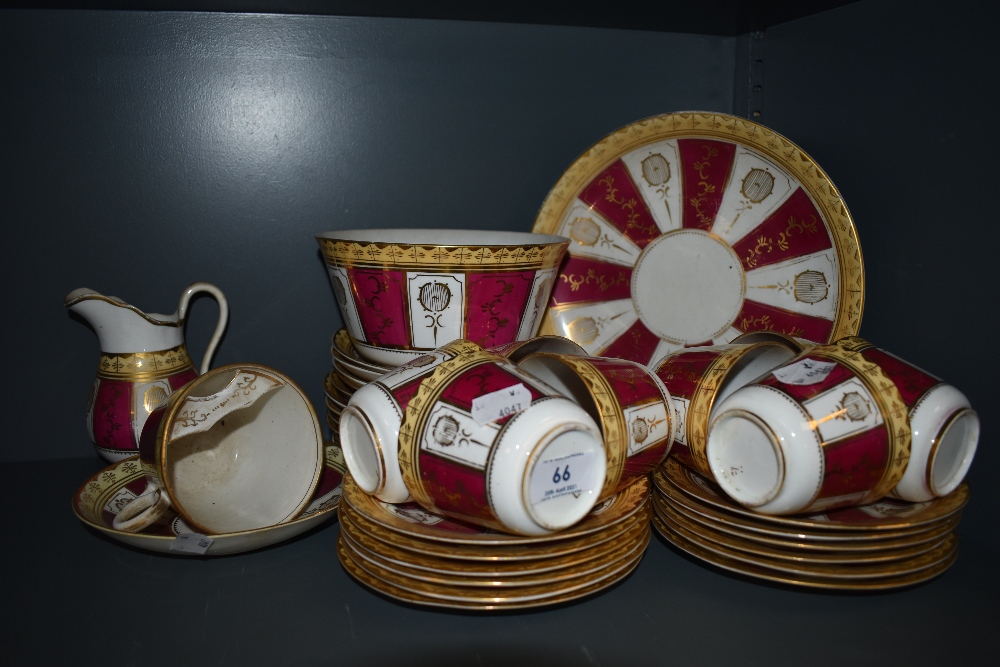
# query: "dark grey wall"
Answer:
x=144 y=151
x=898 y=101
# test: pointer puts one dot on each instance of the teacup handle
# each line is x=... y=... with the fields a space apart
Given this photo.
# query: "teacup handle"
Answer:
x=189 y=292
x=143 y=511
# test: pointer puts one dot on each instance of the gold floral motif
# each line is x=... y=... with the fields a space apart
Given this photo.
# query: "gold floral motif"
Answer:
x=138 y=366
x=798 y=164
x=766 y=244
x=604 y=283
x=764 y=323
x=342 y=253
x=628 y=207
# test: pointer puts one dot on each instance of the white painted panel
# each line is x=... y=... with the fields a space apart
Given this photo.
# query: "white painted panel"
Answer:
x=437 y=307
x=843 y=410
x=594 y=325
x=145 y=398
x=537 y=301
x=680 y=419
x=454 y=434
x=648 y=425
x=345 y=300
x=655 y=169
x=756 y=188
x=593 y=236
x=809 y=285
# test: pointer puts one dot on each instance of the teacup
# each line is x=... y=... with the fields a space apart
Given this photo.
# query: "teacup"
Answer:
x=630 y=403
x=404 y=292
x=369 y=425
x=699 y=378
x=238 y=448
x=833 y=429
x=485 y=442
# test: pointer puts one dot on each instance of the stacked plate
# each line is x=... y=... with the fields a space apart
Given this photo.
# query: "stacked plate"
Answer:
x=889 y=544
x=350 y=372
x=415 y=556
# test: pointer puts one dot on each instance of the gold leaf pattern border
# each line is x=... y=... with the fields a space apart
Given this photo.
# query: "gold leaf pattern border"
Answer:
x=341 y=253
x=143 y=365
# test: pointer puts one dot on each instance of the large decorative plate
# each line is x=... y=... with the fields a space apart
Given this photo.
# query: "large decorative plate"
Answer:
x=692 y=228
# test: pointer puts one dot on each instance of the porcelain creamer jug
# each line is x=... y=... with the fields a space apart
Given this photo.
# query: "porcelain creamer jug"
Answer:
x=143 y=361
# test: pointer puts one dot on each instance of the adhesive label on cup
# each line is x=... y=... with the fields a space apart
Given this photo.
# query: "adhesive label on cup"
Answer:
x=501 y=403
x=562 y=476
x=191 y=543
x=804 y=372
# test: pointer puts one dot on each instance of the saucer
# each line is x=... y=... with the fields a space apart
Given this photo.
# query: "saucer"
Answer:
x=105 y=493
x=885 y=515
x=733 y=565
x=412 y=520
x=587 y=563
x=693 y=228
x=403 y=595
x=556 y=546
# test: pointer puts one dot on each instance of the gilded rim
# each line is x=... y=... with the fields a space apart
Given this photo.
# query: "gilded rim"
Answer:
x=932 y=457
x=673 y=475
x=612 y=511
x=724 y=127
x=380 y=474
x=402 y=595
x=886 y=583
x=348 y=253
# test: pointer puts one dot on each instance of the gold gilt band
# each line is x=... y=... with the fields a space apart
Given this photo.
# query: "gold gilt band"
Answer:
x=701 y=403
x=342 y=253
x=136 y=366
x=467 y=354
x=611 y=416
x=847 y=353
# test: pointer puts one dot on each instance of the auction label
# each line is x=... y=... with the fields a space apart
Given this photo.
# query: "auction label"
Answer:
x=563 y=475
x=191 y=543
x=501 y=403
x=806 y=371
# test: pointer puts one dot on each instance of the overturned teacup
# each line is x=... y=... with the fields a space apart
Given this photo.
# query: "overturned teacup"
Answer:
x=238 y=448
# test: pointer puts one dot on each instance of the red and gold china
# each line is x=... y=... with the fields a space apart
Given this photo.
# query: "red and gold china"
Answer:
x=403 y=292
x=105 y=493
x=483 y=441
x=832 y=429
x=699 y=378
x=625 y=398
x=143 y=361
x=691 y=228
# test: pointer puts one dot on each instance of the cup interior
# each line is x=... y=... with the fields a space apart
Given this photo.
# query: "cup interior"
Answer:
x=757 y=361
x=258 y=466
x=953 y=452
x=562 y=378
x=361 y=450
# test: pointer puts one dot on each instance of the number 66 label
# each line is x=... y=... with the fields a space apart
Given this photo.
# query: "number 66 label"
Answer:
x=563 y=475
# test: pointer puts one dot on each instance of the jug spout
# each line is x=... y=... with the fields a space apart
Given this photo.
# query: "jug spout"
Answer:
x=123 y=328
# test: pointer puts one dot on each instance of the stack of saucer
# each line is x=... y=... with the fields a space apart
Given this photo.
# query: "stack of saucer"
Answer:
x=888 y=544
x=409 y=554
x=350 y=372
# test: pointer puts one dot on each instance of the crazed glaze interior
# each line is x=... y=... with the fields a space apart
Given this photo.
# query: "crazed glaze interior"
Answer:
x=256 y=467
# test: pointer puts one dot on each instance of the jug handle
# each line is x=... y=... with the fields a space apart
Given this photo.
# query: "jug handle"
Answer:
x=189 y=292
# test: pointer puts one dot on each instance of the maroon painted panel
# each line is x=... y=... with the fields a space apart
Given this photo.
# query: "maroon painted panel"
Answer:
x=682 y=372
x=381 y=302
x=756 y=316
x=911 y=381
x=855 y=464
x=806 y=391
x=705 y=165
x=632 y=385
x=583 y=279
x=455 y=489
x=794 y=230
x=615 y=196
x=495 y=305
x=113 y=415
x=637 y=343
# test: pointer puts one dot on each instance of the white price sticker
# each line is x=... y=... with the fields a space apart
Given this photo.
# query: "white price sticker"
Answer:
x=501 y=403
x=191 y=543
x=563 y=475
x=806 y=371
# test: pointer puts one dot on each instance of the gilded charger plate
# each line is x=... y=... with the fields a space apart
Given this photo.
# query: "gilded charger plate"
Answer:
x=403 y=595
x=104 y=494
x=493 y=596
x=491 y=553
x=886 y=583
x=336 y=389
x=789 y=553
x=693 y=228
x=887 y=514
x=591 y=562
x=806 y=542
x=413 y=520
